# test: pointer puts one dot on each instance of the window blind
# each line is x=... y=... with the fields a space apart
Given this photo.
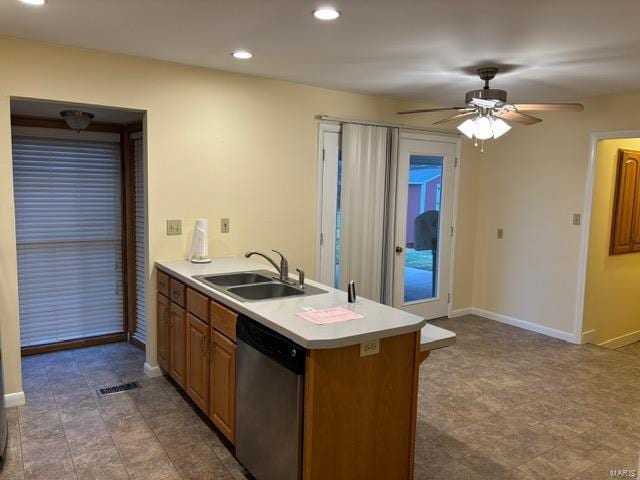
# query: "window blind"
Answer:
x=68 y=232
x=141 y=291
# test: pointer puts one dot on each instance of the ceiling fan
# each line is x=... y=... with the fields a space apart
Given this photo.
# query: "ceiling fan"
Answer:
x=487 y=111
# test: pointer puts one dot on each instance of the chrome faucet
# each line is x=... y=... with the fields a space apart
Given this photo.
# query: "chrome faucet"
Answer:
x=300 y=277
x=283 y=269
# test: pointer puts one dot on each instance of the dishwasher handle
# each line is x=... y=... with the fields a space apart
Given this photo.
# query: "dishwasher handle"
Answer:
x=271 y=344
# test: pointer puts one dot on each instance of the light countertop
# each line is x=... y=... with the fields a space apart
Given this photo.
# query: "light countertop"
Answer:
x=280 y=314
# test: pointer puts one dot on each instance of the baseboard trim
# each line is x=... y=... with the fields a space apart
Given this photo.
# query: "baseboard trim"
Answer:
x=460 y=312
x=621 y=341
x=588 y=337
x=151 y=372
x=14 y=399
x=533 y=327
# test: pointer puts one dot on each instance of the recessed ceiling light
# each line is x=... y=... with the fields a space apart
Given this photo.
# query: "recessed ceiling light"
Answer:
x=242 y=54
x=34 y=2
x=326 y=13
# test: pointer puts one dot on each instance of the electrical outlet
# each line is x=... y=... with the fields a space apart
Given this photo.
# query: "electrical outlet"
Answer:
x=577 y=218
x=370 y=348
x=224 y=225
x=174 y=227
x=500 y=233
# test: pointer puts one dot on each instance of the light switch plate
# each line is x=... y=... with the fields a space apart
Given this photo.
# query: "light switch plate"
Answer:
x=174 y=227
x=370 y=348
x=577 y=218
x=224 y=225
x=500 y=233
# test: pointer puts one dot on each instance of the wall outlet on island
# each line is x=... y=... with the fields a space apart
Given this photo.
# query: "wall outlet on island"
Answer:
x=370 y=348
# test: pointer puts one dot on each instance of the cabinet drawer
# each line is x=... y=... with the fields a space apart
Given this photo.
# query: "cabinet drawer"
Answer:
x=163 y=283
x=177 y=291
x=198 y=305
x=223 y=320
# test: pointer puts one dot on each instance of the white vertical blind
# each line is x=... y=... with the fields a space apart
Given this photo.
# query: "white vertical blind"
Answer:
x=68 y=231
x=141 y=290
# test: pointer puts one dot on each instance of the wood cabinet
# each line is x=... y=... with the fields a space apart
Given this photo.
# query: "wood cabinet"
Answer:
x=222 y=384
x=177 y=292
x=197 y=374
x=196 y=347
x=625 y=225
x=163 y=283
x=163 y=314
x=224 y=320
x=177 y=344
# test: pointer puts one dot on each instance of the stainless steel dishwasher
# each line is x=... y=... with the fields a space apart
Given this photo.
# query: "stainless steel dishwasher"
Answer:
x=269 y=396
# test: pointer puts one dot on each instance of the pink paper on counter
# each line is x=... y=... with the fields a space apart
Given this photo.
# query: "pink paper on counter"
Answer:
x=329 y=315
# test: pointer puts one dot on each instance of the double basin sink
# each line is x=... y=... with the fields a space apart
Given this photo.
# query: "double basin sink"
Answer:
x=255 y=285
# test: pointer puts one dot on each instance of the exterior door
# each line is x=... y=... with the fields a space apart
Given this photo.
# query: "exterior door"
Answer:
x=424 y=224
x=329 y=207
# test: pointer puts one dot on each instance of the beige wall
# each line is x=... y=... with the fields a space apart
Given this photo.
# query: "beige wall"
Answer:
x=612 y=303
x=530 y=182
x=219 y=145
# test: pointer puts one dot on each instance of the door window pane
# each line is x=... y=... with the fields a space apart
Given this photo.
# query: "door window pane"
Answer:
x=423 y=226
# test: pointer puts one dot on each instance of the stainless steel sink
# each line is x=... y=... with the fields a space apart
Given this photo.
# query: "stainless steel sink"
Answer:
x=235 y=279
x=265 y=290
x=255 y=285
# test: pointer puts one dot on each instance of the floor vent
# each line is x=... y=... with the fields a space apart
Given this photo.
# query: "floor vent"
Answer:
x=123 y=387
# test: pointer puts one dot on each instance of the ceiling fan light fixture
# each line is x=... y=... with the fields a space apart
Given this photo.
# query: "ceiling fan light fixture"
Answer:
x=483 y=127
x=467 y=128
x=500 y=127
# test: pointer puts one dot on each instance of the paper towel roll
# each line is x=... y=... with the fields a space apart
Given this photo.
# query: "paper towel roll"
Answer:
x=200 y=244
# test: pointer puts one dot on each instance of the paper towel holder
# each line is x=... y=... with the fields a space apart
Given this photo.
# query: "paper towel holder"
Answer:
x=200 y=244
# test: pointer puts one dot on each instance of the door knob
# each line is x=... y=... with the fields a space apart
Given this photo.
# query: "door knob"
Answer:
x=398 y=249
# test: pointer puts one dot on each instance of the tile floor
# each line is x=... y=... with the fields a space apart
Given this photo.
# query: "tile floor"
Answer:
x=67 y=432
x=503 y=403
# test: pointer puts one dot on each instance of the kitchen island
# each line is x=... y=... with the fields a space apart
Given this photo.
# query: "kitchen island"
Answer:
x=360 y=376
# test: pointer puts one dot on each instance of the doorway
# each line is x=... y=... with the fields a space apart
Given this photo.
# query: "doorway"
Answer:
x=611 y=307
x=79 y=208
x=424 y=225
x=418 y=279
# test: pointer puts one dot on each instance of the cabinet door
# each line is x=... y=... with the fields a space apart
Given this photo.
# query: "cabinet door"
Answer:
x=624 y=231
x=198 y=361
x=178 y=349
x=163 y=312
x=222 y=384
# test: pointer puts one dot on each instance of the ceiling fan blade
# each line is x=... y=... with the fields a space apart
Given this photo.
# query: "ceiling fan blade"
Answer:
x=428 y=110
x=521 y=118
x=455 y=116
x=549 y=107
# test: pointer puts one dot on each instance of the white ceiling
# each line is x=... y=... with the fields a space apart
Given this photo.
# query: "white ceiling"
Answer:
x=414 y=49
